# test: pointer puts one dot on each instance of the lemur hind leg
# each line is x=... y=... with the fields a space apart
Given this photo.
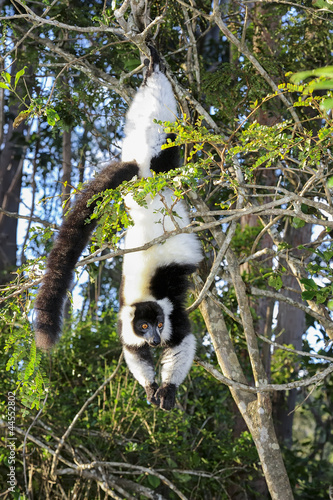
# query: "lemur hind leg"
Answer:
x=176 y=363
x=140 y=362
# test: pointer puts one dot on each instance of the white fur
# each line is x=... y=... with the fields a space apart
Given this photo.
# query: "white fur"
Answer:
x=142 y=371
x=143 y=137
x=143 y=140
x=167 y=310
x=177 y=361
x=130 y=338
x=150 y=223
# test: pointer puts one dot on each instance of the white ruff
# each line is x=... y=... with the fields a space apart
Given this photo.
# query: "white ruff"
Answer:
x=143 y=137
x=128 y=335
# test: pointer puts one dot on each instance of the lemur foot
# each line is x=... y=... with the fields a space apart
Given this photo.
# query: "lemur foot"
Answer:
x=151 y=391
x=166 y=394
x=153 y=63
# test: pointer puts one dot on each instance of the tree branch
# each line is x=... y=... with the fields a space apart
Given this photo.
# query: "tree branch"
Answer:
x=326 y=322
x=145 y=470
x=31 y=16
x=262 y=388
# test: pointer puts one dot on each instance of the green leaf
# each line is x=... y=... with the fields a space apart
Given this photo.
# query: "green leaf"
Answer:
x=320 y=85
x=52 y=117
x=18 y=75
x=327 y=104
x=297 y=222
x=330 y=304
x=183 y=478
x=308 y=295
x=154 y=481
x=6 y=76
x=326 y=71
x=3 y=86
x=321 y=298
x=323 y=4
x=171 y=462
x=131 y=64
x=309 y=284
x=275 y=281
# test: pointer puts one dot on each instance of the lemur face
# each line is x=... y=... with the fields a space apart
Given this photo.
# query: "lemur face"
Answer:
x=148 y=322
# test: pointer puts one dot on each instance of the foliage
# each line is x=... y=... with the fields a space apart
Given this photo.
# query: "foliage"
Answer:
x=323 y=82
x=256 y=139
x=25 y=375
x=319 y=266
x=36 y=107
x=119 y=421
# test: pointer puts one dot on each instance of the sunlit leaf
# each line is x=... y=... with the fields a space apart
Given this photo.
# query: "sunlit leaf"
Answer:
x=18 y=75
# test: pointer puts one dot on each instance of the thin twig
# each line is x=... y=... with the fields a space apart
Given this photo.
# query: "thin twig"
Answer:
x=25 y=444
x=77 y=416
x=146 y=470
x=28 y=218
x=295 y=351
x=30 y=15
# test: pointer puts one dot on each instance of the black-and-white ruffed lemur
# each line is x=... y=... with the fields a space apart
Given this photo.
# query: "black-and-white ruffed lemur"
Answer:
x=154 y=281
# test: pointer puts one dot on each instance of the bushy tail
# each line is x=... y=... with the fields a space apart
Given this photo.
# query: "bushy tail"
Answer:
x=71 y=241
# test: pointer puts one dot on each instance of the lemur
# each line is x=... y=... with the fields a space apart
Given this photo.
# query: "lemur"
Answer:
x=154 y=281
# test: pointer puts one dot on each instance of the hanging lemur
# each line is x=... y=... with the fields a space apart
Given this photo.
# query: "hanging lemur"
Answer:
x=154 y=281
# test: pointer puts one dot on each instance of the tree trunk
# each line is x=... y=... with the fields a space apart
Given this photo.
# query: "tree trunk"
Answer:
x=292 y=324
x=255 y=409
x=11 y=164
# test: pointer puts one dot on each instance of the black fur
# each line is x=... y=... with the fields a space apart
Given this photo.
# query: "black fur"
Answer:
x=151 y=392
x=71 y=241
x=149 y=313
x=166 y=396
x=151 y=63
x=171 y=281
x=168 y=159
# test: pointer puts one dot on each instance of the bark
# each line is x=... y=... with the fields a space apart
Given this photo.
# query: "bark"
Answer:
x=264 y=306
x=11 y=164
x=2 y=105
x=291 y=320
x=255 y=409
x=292 y=324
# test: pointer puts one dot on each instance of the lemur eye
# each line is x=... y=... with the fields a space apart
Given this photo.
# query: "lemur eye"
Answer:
x=160 y=325
x=144 y=326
